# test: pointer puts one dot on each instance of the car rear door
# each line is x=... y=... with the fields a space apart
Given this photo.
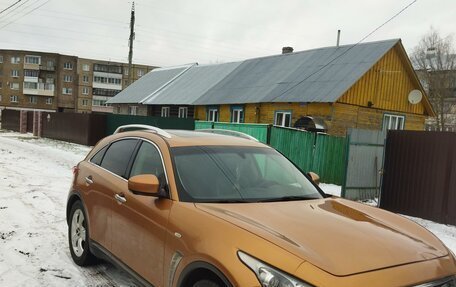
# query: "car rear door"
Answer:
x=105 y=176
x=139 y=222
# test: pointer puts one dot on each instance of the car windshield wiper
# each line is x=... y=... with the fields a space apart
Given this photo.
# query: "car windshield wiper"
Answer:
x=287 y=198
x=227 y=201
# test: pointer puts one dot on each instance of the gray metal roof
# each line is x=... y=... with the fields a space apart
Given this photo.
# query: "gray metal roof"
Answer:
x=188 y=87
x=319 y=75
x=147 y=85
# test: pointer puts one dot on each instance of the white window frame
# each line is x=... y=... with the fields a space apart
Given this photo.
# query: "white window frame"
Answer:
x=183 y=112
x=237 y=114
x=48 y=101
x=67 y=78
x=282 y=122
x=33 y=100
x=85 y=67
x=14 y=99
x=85 y=102
x=67 y=91
x=213 y=114
x=28 y=58
x=15 y=60
x=133 y=110
x=68 y=66
x=14 y=86
x=165 y=112
x=393 y=122
x=140 y=72
x=85 y=79
x=15 y=73
x=85 y=90
x=1 y=58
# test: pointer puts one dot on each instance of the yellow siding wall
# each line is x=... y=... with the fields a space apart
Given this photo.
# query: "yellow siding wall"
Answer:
x=386 y=85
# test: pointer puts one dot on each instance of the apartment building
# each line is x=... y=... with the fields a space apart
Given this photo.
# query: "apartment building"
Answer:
x=43 y=81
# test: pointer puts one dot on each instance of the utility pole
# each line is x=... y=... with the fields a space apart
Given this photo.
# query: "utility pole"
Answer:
x=130 y=44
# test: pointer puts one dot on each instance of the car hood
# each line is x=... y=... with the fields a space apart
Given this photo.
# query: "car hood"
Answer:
x=338 y=236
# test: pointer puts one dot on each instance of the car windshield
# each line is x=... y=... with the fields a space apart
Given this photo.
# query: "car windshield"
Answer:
x=238 y=174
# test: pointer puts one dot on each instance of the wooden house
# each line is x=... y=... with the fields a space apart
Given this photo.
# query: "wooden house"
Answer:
x=370 y=86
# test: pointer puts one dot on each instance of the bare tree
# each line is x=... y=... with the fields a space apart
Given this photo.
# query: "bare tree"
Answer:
x=435 y=61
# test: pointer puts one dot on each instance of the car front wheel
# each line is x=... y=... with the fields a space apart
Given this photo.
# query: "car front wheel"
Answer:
x=78 y=236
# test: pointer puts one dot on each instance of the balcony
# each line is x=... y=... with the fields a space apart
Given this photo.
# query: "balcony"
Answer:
x=47 y=68
x=38 y=89
x=28 y=66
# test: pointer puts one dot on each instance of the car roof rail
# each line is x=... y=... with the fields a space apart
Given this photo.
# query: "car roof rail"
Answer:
x=229 y=133
x=156 y=130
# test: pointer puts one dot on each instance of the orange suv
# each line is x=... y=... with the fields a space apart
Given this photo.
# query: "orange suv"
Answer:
x=200 y=209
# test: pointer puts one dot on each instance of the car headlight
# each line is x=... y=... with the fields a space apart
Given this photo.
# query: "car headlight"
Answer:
x=268 y=275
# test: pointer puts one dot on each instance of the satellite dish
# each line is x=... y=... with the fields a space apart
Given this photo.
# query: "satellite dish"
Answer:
x=415 y=96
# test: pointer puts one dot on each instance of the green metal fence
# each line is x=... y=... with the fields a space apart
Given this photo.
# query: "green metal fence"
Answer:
x=320 y=153
x=200 y=125
x=114 y=120
x=329 y=158
x=258 y=131
x=296 y=145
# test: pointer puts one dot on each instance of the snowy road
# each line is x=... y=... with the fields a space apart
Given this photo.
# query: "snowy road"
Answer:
x=35 y=175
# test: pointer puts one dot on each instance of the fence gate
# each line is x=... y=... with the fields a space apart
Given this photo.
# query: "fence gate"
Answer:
x=364 y=164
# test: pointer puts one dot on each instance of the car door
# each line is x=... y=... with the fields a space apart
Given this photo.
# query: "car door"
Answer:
x=139 y=221
x=105 y=176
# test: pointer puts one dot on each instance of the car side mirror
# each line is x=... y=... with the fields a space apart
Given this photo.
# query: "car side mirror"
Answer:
x=145 y=184
x=315 y=177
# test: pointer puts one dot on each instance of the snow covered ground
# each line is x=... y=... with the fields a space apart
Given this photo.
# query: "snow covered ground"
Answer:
x=35 y=175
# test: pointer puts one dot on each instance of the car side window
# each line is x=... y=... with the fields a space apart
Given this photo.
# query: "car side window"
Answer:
x=96 y=159
x=118 y=156
x=148 y=161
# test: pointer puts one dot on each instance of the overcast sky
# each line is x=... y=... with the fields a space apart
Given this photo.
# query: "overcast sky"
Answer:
x=175 y=32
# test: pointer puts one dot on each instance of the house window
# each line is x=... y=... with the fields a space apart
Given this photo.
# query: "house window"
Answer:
x=31 y=73
x=212 y=115
x=237 y=115
x=85 y=103
x=85 y=79
x=15 y=60
x=282 y=119
x=36 y=60
x=67 y=91
x=85 y=90
x=14 y=73
x=126 y=72
x=14 y=86
x=48 y=101
x=165 y=112
x=140 y=72
x=183 y=112
x=13 y=99
x=1 y=59
x=1 y=85
x=68 y=78
x=393 y=122
x=132 y=110
x=68 y=66
x=86 y=67
x=33 y=100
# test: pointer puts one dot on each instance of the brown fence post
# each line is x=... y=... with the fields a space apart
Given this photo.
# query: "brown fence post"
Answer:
x=37 y=124
x=23 y=122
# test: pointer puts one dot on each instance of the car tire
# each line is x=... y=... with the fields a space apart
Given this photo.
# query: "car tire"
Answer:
x=78 y=236
x=206 y=283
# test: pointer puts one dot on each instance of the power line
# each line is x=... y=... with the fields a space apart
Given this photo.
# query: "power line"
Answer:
x=346 y=51
x=34 y=9
x=10 y=6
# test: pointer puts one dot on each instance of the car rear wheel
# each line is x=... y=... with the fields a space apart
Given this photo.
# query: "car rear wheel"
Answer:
x=78 y=236
x=206 y=283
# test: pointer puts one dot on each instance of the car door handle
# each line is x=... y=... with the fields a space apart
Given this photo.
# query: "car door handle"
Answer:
x=120 y=198
x=89 y=179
